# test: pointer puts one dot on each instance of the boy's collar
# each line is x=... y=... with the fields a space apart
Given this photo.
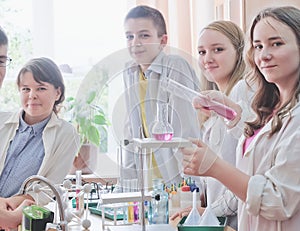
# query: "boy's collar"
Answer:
x=156 y=65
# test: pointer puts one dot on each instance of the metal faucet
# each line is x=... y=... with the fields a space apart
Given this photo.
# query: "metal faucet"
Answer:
x=26 y=183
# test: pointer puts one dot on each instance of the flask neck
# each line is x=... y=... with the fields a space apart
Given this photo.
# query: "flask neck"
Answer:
x=162 y=129
x=162 y=112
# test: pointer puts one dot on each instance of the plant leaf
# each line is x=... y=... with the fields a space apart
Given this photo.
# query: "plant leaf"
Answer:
x=100 y=119
x=69 y=99
x=93 y=135
x=91 y=97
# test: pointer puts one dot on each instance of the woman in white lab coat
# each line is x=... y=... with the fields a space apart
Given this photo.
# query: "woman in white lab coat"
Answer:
x=266 y=179
x=220 y=48
x=34 y=140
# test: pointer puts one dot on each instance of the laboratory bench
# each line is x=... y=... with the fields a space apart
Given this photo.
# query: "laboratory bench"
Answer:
x=96 y=225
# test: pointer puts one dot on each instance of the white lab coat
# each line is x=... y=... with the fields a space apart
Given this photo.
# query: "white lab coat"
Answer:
x=223 y=143
x=273 y=195
x=61 y=143
x=182 y=115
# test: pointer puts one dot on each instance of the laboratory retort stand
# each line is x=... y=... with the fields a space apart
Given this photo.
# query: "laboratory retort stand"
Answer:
x=144 y=147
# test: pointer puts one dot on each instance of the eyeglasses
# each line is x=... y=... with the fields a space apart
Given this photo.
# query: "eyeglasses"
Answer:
x=4 y=61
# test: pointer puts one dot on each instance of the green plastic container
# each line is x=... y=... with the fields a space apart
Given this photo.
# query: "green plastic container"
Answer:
x=35 y=218
x=223 y=223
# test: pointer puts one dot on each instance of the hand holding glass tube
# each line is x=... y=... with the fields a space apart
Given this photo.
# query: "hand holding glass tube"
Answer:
x=188 y=94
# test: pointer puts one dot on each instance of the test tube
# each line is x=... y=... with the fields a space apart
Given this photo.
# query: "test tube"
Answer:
x=134 y=188
x=188 y=94
x=130 y=209
x=79 y=194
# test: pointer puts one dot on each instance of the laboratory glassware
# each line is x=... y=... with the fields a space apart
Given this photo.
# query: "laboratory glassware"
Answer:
x=188 y=94
x=162 y=129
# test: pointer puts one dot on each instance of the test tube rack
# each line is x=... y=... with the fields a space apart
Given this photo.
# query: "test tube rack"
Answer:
x=118 y=198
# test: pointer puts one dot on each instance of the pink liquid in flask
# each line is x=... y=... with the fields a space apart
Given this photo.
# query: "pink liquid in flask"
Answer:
x=163 y=137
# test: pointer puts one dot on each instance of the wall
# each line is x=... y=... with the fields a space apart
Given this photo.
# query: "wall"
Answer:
x=242 y=11
x=253 y=6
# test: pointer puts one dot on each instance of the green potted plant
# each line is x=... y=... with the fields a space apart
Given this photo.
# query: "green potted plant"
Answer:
x=90 y=121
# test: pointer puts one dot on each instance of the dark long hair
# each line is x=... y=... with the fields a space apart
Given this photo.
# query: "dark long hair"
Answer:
x=268 y=96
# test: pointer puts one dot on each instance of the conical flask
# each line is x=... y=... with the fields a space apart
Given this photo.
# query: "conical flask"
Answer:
x=162 y=129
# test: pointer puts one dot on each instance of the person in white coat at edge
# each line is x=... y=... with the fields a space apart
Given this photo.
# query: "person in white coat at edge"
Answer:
x=266 y=177
x=5 y=215
x=35 y=141
x=146 y=35
x=220 y=48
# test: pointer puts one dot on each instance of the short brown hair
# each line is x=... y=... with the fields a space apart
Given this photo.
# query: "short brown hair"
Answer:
x=45 y=70
x=150 y=13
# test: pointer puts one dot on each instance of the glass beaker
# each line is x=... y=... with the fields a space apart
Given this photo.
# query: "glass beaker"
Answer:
x=162 y=129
